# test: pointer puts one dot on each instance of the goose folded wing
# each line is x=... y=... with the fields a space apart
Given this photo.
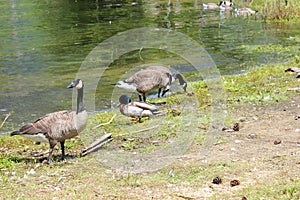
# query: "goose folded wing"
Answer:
x=45 y=123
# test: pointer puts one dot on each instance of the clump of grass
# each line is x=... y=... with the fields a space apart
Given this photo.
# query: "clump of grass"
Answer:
x=263 y=84
x=281 y=10
x=277 y=10
x=283 y=190
x=202 y=93
x=7 y=161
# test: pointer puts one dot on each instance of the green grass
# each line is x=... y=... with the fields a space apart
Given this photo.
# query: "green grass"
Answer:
x=275 y=10
x=88 y=178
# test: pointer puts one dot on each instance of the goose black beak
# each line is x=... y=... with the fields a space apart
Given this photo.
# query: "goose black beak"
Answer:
x=71 y=85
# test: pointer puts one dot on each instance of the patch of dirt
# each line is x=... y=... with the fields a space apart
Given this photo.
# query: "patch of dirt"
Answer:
x=268 y=141
x=252 y=147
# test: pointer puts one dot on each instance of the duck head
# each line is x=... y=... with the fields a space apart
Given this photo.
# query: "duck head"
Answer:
x=124 y=99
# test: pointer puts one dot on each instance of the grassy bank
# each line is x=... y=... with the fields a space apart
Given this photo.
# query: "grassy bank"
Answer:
x=275 y=10
x=177 y=160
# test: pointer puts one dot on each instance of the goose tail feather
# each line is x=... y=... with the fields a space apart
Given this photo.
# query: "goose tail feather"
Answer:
x=15 y=133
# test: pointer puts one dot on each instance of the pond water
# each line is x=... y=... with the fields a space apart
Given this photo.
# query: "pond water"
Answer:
x=44 y=43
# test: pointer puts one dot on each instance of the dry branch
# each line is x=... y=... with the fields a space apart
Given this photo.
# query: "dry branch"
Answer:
x=97 y=144
x=103 y=124
x=146 y=129
x=7 y=116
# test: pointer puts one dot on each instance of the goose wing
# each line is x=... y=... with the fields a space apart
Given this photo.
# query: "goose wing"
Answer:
x=57 y=125
x=159 y=68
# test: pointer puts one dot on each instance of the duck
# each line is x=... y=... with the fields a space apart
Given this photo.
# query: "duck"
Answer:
x=294 y=69
x=245 y=11
x=145 y=81
x=136 y=109
x=166 y=70
x=56 y=127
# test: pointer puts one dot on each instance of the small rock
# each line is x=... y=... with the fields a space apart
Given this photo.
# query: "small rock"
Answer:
x=251 y=136
x=255 y=118
x=277 y=141
x=190 y=94
x=155 y=142
x=297 y=117
x=226 y=129
x=217 y=180
x=234 y=183
x=237 y=141
x=31 y=171
x=242 y=119
x=297 y=130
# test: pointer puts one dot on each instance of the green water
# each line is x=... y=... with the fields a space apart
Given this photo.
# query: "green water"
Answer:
x=43 y=44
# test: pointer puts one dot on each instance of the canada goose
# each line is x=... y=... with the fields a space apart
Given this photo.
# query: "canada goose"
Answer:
x=57 y=126
x=163 y=69
x=136 y=109
x=294 y=69
x=226 y=5
x=245 y=11
x=221 y=5
x=146 y=80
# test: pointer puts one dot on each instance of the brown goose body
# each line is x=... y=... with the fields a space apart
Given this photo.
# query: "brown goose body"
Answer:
x=163 y=69
x=146 y=80
x=57 y=126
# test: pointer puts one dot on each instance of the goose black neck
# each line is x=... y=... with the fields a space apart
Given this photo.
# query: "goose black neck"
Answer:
x=180 y=78
x=80 y=101
x=181 y=81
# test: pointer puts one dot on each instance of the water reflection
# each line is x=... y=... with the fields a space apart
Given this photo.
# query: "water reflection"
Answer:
x=45 y=42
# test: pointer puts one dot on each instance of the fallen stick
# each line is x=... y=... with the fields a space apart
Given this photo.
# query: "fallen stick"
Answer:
x=185 y=197
x=97 y=144
x=106 y=123
x=146 y=129
x=293 y=89
x=7 y=116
